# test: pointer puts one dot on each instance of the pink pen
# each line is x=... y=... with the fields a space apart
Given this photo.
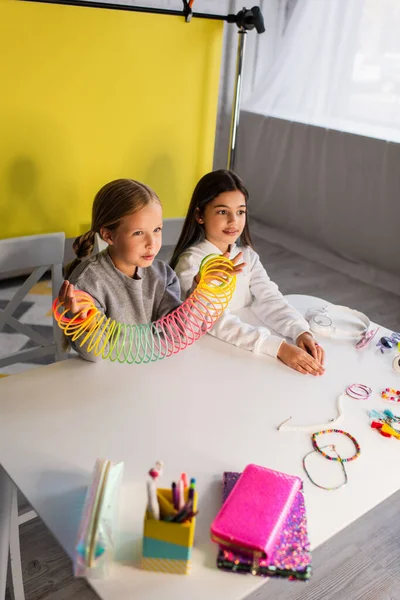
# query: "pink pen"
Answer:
x=185 y=480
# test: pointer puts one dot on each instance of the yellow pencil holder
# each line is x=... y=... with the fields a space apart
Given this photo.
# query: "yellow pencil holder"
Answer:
x=167 y=547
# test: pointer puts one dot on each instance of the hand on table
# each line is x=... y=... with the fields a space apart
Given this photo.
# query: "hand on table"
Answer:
x=299 y=359
x=306 y=342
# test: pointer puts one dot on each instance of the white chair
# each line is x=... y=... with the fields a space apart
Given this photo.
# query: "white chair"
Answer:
x=35 y=254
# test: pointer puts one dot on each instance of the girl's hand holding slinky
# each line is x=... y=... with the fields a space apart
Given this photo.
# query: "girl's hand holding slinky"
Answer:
x=224 y=270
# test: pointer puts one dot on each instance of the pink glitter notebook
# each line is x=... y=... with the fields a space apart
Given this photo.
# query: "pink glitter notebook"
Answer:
x=290 y=557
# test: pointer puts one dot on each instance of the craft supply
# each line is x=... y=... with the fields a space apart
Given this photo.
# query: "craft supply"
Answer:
x=391 y=394
x=192 y=488
x=96 y=536
x=388 y=342
x=366 y=338
x=156 y=471
x=378 y=426
x=386 y=416
x=359 y=391
x=144 y=343
x=175 y=496
x=396 y=363
x=181 y=494
x=341 y=432
x=152 y=502
x=186 y=514
x=177 y=505
x=167 y=509
x=291 y=557
x=385 y=429
x=390 y=416
x=243 y=523
x=322 y=323
x=185 y=480
x=167 y=544
x=283 y=427
x=383 y=423
x=339 y=459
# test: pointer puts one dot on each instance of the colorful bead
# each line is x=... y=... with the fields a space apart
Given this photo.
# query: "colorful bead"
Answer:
x=340 y=459
x=390 y=394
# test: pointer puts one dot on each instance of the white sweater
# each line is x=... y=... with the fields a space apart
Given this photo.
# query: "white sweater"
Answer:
x=253 y=289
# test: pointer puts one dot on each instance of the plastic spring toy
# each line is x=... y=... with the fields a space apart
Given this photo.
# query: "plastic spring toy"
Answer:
x=144 y=343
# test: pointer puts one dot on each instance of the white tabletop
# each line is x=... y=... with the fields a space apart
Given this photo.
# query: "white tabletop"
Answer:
x=212 y=408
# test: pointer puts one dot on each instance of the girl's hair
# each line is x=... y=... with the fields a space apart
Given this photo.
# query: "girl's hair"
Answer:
x=209 y=187
x=112 y=203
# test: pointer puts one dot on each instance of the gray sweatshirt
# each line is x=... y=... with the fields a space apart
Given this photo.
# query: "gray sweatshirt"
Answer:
x=151 y=294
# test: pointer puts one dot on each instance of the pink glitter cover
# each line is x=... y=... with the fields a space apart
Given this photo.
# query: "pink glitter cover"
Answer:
x=291 y=555
x=255 y=512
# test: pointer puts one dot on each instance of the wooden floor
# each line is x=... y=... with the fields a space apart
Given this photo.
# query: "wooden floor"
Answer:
x=360 y=563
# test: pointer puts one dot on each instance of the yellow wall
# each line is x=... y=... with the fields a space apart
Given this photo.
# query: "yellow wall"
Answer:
x=88 y=95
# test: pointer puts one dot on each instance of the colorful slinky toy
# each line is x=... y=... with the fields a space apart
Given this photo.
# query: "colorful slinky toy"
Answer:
x=137 y=344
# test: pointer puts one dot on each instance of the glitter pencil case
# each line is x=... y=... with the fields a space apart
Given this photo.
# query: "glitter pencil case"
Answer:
x=254 y=513
x=291 y=557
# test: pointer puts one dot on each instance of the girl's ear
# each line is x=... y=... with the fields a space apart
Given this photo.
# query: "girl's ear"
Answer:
x=106 y=235
x=199 y=218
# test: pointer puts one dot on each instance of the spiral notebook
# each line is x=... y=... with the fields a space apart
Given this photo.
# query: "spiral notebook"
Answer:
x=291 y=557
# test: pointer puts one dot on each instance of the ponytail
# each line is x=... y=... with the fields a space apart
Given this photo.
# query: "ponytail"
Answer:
x=83 y=247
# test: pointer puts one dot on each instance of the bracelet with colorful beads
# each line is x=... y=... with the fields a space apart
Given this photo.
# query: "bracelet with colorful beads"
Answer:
x=390 y=393
x=353 y=439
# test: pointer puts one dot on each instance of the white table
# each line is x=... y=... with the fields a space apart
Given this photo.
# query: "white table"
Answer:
x=210 y=409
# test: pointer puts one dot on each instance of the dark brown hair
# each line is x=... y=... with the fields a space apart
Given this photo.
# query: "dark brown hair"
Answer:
x=112 y=203
x=209 y=187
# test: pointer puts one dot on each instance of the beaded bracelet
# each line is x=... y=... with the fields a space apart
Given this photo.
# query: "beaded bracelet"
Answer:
x=339 y=459
x=353 y=439
x=390 y=393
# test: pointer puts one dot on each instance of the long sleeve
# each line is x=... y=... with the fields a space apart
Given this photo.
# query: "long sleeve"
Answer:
x=186 y=270
x=171 y=298
x=229 y=328
x=82 y=350
x=271 y=307
x=150 y=294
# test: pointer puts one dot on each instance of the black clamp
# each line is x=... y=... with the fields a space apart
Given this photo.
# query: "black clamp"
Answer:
x=187 y=10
